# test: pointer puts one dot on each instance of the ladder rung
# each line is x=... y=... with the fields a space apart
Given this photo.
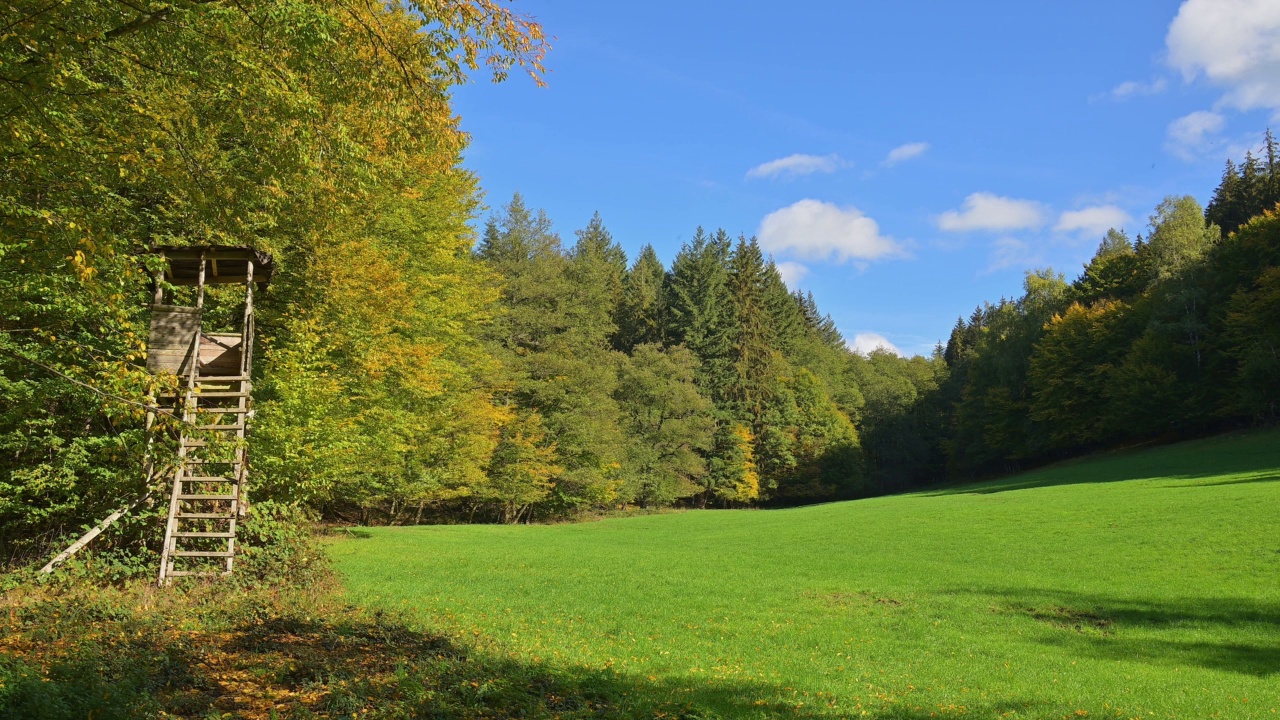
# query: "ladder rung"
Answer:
x=206 y=497
x=221 y=394
x=221 y=378
x=237 y=426
x=201 y=553
x=207 y=479
x=207 y=516
x=206 y=461
x=222 y=410
x=204 y=534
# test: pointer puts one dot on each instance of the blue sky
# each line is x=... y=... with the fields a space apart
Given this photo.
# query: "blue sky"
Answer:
x=903 y=161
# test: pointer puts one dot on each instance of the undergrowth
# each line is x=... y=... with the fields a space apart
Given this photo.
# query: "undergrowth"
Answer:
x=275 y=641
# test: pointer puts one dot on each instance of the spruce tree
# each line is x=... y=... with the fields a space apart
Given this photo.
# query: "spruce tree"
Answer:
x=699 y=311
x=642 y=305
x=1225 y=208
x=754 y=345
x=517 y=235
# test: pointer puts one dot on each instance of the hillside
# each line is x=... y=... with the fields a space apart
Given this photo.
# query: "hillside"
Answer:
x=1137 y=584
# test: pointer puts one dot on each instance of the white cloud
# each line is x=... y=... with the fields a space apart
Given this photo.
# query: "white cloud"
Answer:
x=817 y=230
x=792 y=273
x=1131 y=88
x=985 y=211
x=1094 y=220
x=868 y=342
x=1190 y=135
x=798 y=164
x=1234 y=44
x=1011 y=252
x=906 y=152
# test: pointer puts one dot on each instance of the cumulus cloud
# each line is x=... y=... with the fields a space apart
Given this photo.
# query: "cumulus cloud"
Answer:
x=985 y=211
x=795 y=165
x=868 y=342
x=905 y=152
x=1094 y=220
x=1192 y=134
x=792 y=273
x=1234 y=44
x=818 y=230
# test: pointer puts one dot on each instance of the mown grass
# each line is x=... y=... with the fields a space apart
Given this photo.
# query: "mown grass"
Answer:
x=1135 y=585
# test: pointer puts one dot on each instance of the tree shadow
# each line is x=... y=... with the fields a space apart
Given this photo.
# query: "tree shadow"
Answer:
x=1254 y=454
x=372 y=665
x=1246 y=631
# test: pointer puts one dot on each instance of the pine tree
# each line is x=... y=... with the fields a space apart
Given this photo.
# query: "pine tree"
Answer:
x=595 y=271
x=786 y=312
x=553 y=338
x=1271 y=192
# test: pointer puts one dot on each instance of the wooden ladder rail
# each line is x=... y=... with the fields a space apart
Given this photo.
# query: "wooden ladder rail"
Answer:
x=175 y=494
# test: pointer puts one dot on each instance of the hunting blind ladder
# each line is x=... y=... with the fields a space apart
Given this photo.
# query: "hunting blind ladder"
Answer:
x=214 y=400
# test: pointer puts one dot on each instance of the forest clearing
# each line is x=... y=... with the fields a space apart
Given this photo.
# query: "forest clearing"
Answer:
x=812 y=401
x=1132 y=585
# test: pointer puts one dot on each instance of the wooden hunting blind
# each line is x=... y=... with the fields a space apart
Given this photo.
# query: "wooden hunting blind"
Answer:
x=214 y=401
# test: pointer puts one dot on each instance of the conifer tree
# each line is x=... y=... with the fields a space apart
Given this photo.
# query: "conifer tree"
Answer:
x=517 y=235
x=643 y=304
x=1113 y=273
x=553 y=337
x=754 y=345
x=700 y=312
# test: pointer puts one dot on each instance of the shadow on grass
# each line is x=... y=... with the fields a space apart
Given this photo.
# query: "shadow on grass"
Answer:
x=1255 y=454
x=348 y=663
x=1228 y=634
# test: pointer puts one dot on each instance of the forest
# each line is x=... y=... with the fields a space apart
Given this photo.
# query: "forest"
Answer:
x=414 y=369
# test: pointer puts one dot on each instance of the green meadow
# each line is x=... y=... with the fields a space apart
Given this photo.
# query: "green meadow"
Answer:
x=1142 y=584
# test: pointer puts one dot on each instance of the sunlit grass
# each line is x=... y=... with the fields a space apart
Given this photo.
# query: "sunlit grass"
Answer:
x=1142 y=584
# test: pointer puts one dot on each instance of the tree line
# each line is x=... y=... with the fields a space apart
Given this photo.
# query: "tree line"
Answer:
x=1173 y=334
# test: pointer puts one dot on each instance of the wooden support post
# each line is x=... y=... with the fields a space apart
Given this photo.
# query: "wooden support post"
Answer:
x=89 y=536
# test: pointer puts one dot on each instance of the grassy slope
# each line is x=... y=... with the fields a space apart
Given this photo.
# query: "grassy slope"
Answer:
x=1135 y=585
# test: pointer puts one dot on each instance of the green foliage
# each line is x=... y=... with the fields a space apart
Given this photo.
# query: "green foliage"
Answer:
x=277 y=546
x=669 y=422
x=318 y=131
x=1248 y=190
x=522 y=468
x=1159 y=338
x=553 y=336
x=642 y=307
x=699 y=311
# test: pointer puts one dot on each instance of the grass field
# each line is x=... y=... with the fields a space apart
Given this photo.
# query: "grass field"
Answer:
x=1134 y=585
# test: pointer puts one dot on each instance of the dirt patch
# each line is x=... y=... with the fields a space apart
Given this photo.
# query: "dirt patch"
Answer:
x=860 y=598
x=1081 y=621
